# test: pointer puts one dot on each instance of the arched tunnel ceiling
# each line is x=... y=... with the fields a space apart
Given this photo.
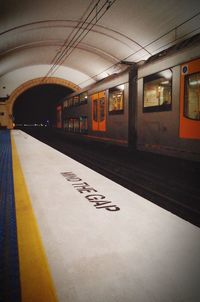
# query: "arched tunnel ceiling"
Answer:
x=33 y=32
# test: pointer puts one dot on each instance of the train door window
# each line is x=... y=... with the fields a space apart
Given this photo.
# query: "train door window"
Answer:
x=158 y=92
x=83 y=124
x=83 y=97
x=99 y=111
x=190 y=100
x=116 y=100
x=192 y=96
x=95 y=110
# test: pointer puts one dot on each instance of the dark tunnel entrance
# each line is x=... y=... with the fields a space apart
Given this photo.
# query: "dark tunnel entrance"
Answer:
x=37 y=105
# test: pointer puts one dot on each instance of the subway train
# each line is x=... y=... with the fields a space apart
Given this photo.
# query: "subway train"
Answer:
x=152 y=106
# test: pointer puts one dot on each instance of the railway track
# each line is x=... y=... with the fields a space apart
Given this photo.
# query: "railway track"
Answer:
x=175 y=192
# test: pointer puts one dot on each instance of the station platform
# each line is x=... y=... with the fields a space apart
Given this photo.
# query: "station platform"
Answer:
x=69 y=234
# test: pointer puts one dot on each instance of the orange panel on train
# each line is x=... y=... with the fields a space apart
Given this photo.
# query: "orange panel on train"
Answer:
x=99 y=111
x=190 y=100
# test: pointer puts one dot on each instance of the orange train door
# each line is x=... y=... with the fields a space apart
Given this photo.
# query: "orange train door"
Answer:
x=99 y=111
x=190 y=100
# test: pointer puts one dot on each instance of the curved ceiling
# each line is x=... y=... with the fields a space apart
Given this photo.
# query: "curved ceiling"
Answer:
x=33 y=35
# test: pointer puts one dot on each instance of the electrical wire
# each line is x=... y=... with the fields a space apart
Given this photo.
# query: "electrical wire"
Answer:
x=66 y=55
x=171 y=30
x=71 y=45
x=77 y=26
x=175 y=28
x=68 y=41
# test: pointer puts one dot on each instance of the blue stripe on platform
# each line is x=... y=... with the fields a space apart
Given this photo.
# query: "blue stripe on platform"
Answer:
x=9 y=261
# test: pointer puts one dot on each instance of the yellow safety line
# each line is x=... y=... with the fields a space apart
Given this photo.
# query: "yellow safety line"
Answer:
x=35 y=277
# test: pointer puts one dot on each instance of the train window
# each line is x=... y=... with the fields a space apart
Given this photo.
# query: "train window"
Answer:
x=158 y=91
x=83 y=124
x=66 y=125
x=83 y=97
x=192 y=96
x=71 y=125
x=65 y=104
x=76 y=125
x=76 y=100
x=70 y=102
x=116 y=100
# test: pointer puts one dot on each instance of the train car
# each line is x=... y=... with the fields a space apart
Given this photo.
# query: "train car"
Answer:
x=153 y=106
x=100 y=112
x=168 y=102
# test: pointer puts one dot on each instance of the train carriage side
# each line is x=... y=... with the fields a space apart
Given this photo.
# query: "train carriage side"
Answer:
x=75 y=114
x=168 y=105
x=100 y=112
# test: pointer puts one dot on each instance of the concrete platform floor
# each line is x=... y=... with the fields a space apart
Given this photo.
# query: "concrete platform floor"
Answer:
x=102 y=241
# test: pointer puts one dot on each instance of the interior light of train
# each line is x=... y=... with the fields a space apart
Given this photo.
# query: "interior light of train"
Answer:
x=167 y=74
x=121 y=87
x=193 y=83
x=164 y=82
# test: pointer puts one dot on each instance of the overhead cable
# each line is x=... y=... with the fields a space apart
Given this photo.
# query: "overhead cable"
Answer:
x=70 y=50
x=79 y=35
x=69 y=39
x=135 y=52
